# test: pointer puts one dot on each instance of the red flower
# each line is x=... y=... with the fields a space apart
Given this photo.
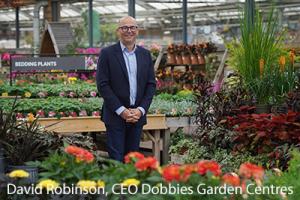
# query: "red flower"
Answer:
x=133 y=157
x=146 y=163
x=207 y=165
x=80 y=153
x=249 y=170
x=231 y=179
x=171 y=173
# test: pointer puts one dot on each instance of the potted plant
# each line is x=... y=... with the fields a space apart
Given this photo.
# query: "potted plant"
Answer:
x=25 y=141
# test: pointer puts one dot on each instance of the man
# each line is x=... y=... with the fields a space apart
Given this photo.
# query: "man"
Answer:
x=126 y=81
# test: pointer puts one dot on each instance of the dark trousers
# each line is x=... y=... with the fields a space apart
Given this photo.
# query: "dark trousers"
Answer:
x=122 y=139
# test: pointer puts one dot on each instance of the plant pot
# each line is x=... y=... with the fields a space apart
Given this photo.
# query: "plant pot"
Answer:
x=262 y=108
x=178 y=59
x=33 y=172
x=296 y=106
x=2 y=162
x=201 y=59
x=171 y=59
x=186 y=59
x=194 y=59
x=177 y=159
x=281 y=109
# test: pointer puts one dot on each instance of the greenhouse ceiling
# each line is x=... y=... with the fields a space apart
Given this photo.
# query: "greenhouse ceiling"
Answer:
x=157 y=13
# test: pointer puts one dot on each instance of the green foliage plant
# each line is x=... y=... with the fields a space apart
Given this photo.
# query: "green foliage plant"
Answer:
x=256 y=57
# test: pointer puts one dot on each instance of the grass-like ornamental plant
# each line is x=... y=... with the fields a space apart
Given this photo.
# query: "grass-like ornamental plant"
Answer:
x=261 y=60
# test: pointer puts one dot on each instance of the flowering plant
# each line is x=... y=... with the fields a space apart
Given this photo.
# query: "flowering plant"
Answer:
x=69 y=166
x=5 y=58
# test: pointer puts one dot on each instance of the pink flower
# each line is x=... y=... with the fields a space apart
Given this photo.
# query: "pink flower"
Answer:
x=72 y=114
x=93 y=94
x=72 y=94
x=96 y=113
x=83 y=113
x=62 y=94
x=51 y=114
x=5 y=57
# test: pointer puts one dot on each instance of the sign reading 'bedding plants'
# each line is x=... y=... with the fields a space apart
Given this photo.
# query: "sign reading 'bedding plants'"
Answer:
x=48 y=63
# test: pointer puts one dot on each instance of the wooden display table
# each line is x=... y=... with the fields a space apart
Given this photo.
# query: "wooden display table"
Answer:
x=156 y=129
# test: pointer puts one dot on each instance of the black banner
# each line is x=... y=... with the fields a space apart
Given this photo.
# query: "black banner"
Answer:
x=48 y=63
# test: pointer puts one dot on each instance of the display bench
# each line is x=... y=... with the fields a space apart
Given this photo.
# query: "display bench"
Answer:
x=156 y=129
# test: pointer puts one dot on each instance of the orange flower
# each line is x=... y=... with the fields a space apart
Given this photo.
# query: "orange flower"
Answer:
x=146 y=163
x=187 y=171
x=281 y=63
x=30 y=117
x=207 y=165
x=80 y=153
x=249 y=170
x=292 y=56
x=261 y=66
x=171 y=173
x=231 y=179
x=133 y=156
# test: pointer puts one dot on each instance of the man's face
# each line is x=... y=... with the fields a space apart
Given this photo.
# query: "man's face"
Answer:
x=127 y=31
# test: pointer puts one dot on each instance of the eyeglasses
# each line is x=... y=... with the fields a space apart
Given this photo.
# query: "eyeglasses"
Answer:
x=127 y=28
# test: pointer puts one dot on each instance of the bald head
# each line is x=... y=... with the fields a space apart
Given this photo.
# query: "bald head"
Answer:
x=127 y=20
x=127 y=31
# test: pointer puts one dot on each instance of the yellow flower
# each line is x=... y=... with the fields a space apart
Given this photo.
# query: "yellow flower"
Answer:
x=130 y=181
x=5 y=94
x=72 y=79
x=56 y=70
x=87 y=185
x=18 y=174
x=1 y=82
x=27 y=94
x=159 y=169
x=100 y=184
x=30 y=118
x=48 y=184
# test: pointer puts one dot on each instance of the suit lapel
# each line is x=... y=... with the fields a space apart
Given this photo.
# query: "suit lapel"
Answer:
x=121 y=60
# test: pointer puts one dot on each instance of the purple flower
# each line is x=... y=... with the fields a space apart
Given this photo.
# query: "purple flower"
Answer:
x=72 y=74
x=217 y=86
x=83 y=77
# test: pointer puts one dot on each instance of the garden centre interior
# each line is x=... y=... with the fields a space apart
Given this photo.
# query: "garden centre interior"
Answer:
x=225 y=114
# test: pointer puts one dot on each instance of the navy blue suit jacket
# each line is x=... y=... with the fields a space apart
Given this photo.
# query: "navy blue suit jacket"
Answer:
x=113 y=83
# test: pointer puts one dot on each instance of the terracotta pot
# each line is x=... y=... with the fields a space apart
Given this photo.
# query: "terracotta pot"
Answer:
x=201 y=59
x=186 y=59
x=171 y=58
x=194 y=59
x=179 y=60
